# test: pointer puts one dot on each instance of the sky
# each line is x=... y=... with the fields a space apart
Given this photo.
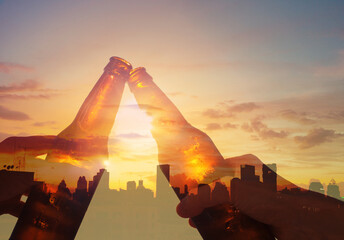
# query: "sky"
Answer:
x=264 y=78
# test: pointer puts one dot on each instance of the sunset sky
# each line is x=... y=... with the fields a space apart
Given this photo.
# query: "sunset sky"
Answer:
x=264 y=78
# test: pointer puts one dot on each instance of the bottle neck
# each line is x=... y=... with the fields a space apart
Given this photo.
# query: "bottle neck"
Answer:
x=156 y=104
x=97 y=113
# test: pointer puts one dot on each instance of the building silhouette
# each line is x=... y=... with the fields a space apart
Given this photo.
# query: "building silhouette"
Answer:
x=270 y=176
x=333 y=190
x=317 y=187
x=247 y=173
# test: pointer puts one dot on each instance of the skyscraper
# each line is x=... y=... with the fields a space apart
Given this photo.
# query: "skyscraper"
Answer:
x=270 y=176
x=247 y=173
x=333 y=190
x=316 y=187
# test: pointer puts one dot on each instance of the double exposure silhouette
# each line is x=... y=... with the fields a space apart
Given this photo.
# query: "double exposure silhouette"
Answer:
x=244 y=208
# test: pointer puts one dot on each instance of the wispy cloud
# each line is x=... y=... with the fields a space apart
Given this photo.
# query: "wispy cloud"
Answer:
x=27 y=85
x=213 y=126
x=316 y=137
x=262 y=130
x=8 y=114
x=243 y=107
x=24 y=90
x=296 y=117
x=216 y=126
x=42 y=124
x=7 y=68
x=228 y=110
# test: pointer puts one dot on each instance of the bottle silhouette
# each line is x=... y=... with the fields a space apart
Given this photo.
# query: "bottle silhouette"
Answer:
x=84 y=142
x=190 y=152
x=58 y=215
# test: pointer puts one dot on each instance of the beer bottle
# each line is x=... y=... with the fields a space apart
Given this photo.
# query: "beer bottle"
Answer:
x=191 y=153
x=57 y=215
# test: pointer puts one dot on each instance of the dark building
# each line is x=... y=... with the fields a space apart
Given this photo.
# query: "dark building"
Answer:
x=247 y=173
x=220 y=193
x=270 y=176
x=102 y=174
x=62 y=188
x=204 y=193
x=81 y=194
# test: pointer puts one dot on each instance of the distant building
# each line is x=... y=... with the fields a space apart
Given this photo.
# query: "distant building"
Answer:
x=131 y=186
x=317 y=187
x=333 y=190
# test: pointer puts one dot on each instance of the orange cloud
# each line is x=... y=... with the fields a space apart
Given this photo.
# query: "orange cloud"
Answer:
x=316 y=137
x=12 y=67
x=8 y=114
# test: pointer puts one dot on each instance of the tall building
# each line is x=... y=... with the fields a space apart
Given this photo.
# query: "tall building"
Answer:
x=316 y=187
x=103 y=178
x=131 y=186
x=220 y=193
x=204 y=193
x=247 y=173
x=270 y=176
x=333 y=190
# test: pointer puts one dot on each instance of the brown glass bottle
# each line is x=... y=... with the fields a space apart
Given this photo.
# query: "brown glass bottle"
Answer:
x=84 y=142
x=192 y=153
x=58 y=215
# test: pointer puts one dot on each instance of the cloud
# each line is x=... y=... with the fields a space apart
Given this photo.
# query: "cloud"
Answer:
x=11 y=67
x=25 y=97
x=214 y=113
x=25 y=89
x=213 y=126
x=8 y=114
x=230 y=125
x=263 y=131
x=243 y=107
x=27 y=85
x=42 y=124
x=227 y=110
x=131 y=135
x=334 y=115
x=296 y=117
x=316 y=137
x=216 y=126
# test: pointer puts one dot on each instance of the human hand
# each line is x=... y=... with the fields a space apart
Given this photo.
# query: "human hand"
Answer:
x=82 y=145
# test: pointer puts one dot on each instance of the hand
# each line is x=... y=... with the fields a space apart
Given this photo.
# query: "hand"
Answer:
x=82 y=145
